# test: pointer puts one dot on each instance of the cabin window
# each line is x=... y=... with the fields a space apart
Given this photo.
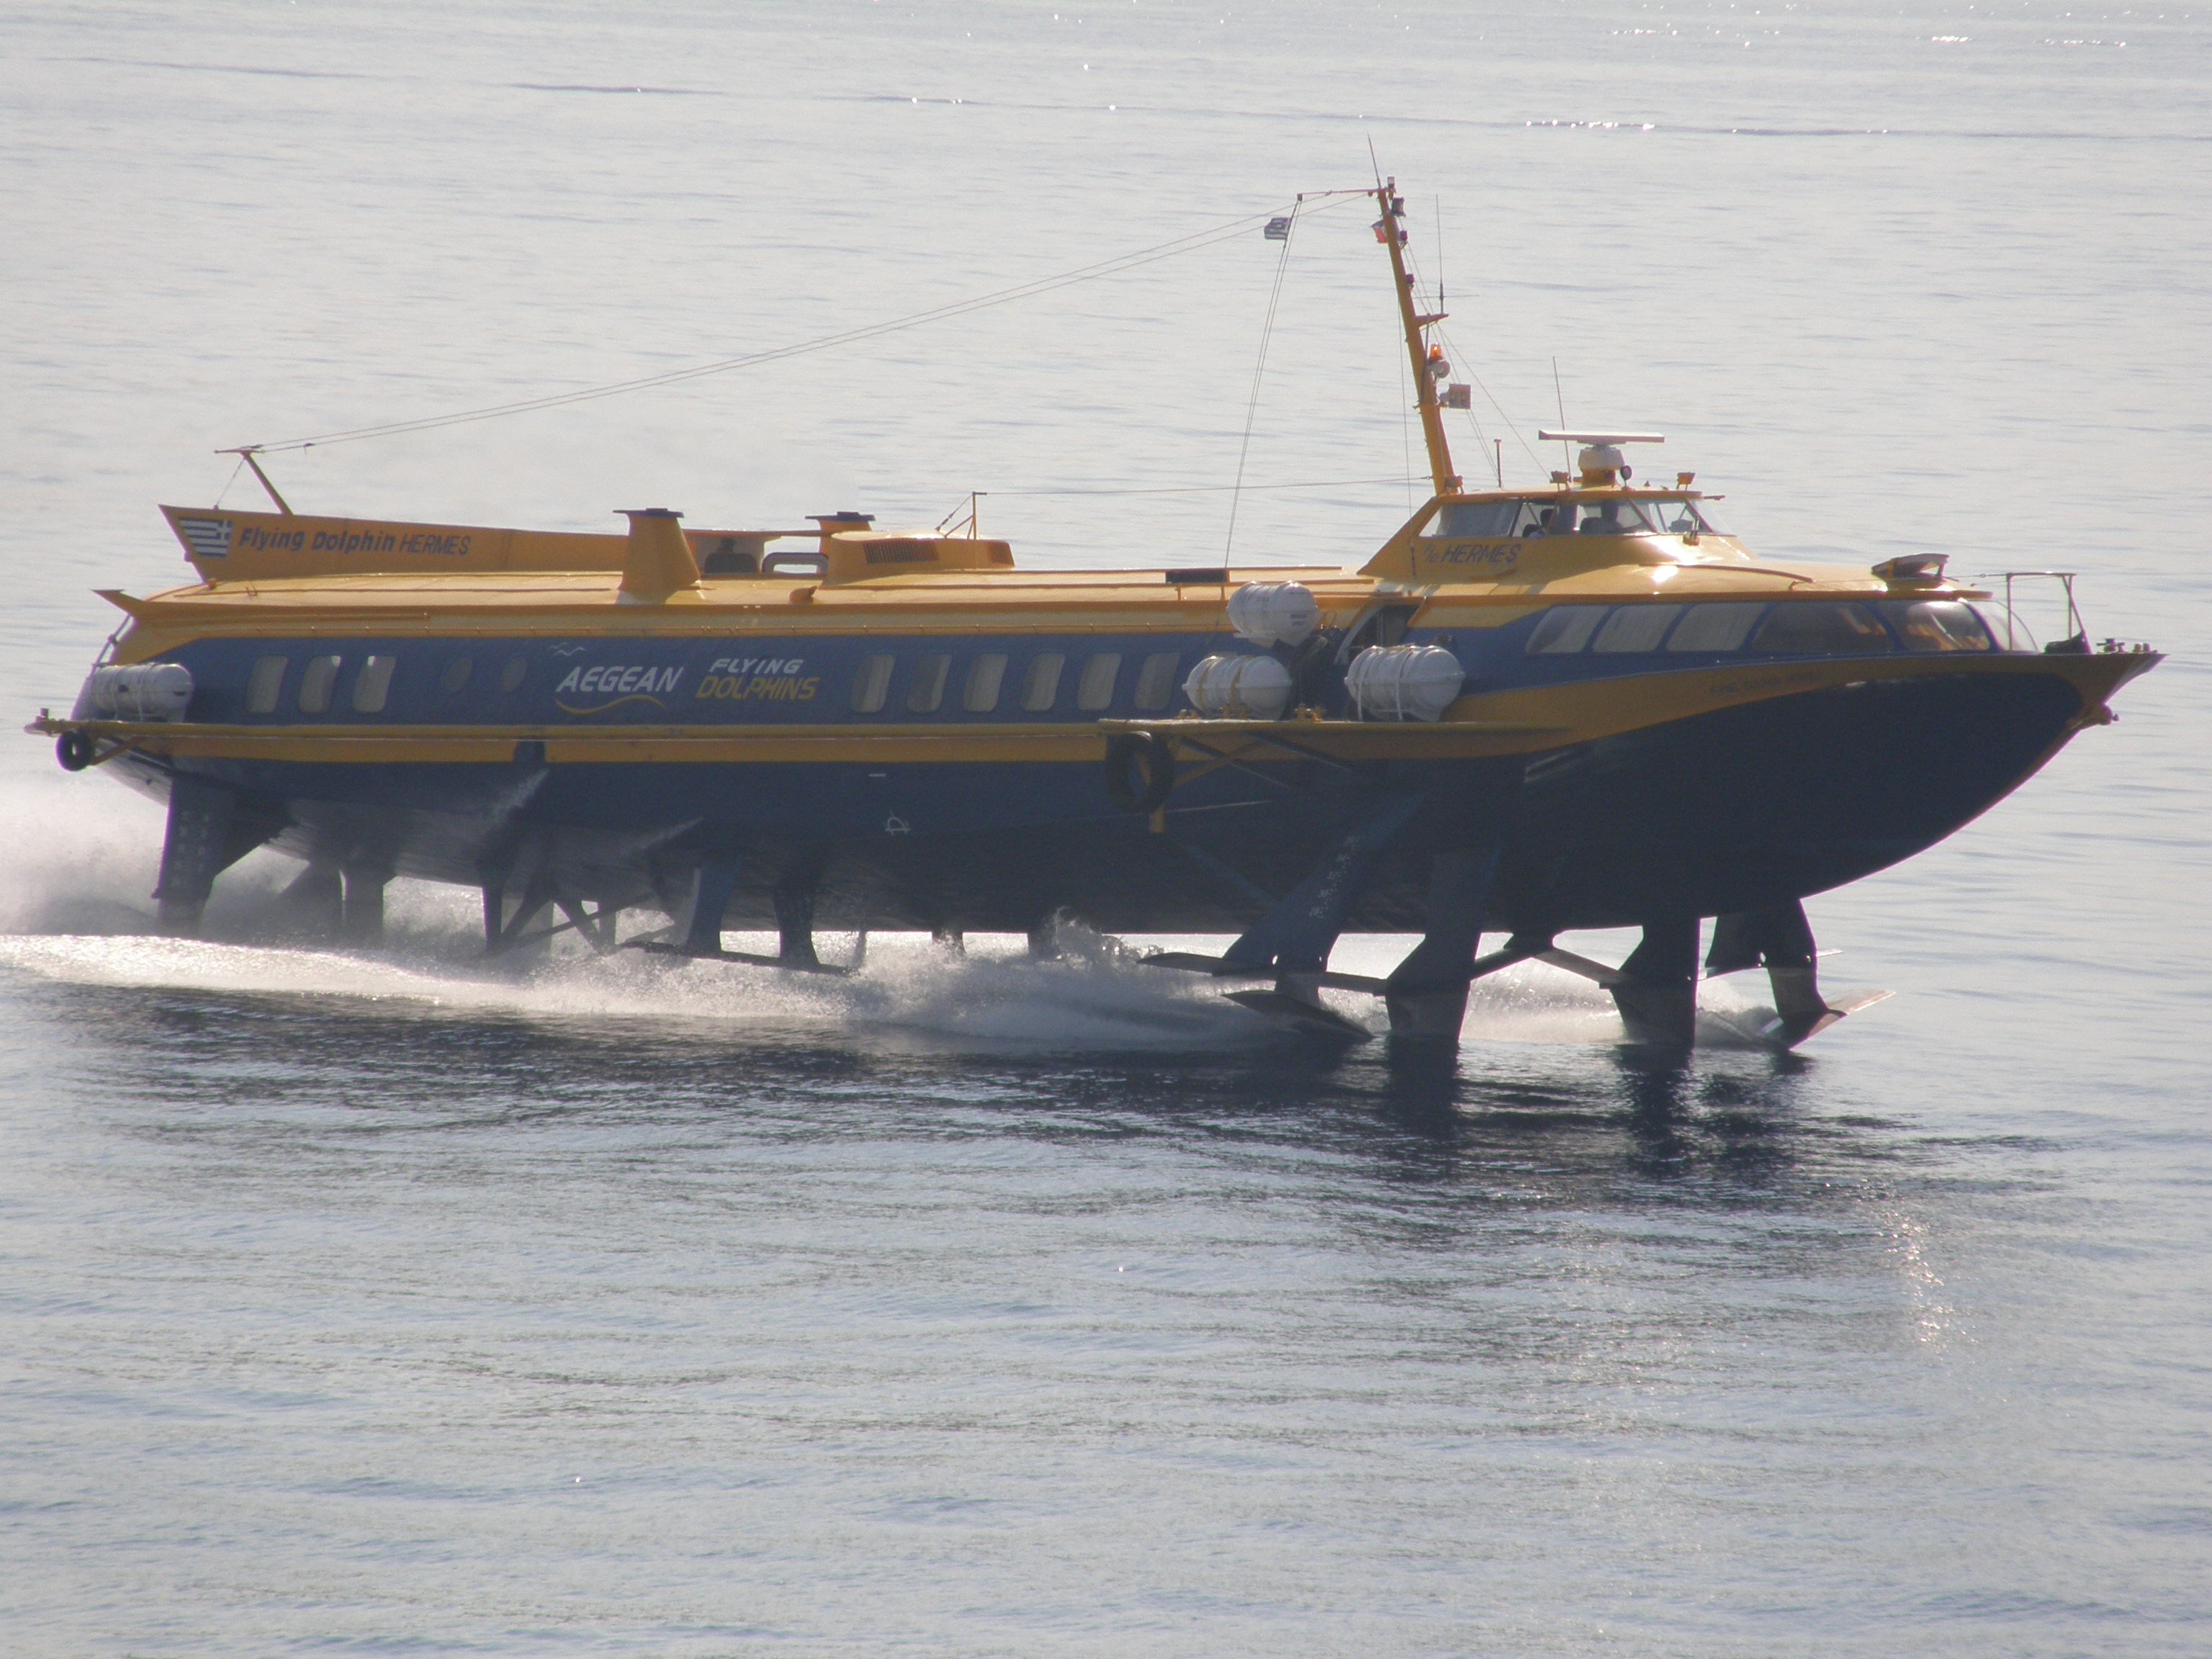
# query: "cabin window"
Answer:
x=264 y=683
x=871 y=685
x=1041 y=681
x=1095 y=690
x=373 y=685
x=1713 y=627
x=1156 y=680
x=1821 y=630
x=1564 y=628
x=315 y=685
x=985 y=675
x=456 y=675
x=1635 y=627
x=925 y=687
x=1938 y=625
x=511 y=677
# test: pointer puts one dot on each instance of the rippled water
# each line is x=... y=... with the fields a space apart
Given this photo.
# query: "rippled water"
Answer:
x=376 y=1302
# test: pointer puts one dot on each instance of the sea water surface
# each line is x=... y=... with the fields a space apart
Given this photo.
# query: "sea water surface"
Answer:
x=376 y=1302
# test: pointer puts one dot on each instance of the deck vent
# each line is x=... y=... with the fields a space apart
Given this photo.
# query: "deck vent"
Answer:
x=854 y=556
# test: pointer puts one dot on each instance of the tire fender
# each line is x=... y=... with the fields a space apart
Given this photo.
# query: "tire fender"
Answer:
x=1139 y=771
x=74 y=750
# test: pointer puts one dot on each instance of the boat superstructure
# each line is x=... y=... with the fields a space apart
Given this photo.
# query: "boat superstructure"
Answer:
x=1532 y=710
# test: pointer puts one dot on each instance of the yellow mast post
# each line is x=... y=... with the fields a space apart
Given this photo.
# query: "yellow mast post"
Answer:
x=246 y=454
x=1441 y=475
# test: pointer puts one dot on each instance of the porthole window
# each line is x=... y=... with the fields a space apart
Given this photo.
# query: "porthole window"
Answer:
x=511 y=677
x=1156 y=680
x=265 y=685
x=322 y=673
x=985 y=676
x=1095 y=690
x=1041 y=681
x=871 y=685
x=456 y=675
x=925 y=687
x=373 y=685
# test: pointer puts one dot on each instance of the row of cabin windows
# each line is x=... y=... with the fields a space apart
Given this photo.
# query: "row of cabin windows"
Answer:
x=927 y=682
x=1800 y=628
x=983 y=684
x=371 y=683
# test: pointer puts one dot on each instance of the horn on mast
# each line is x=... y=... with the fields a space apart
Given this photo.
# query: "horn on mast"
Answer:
x=1390 y=234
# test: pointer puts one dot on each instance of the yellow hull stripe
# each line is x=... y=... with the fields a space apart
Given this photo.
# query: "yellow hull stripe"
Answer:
x=1516 y=722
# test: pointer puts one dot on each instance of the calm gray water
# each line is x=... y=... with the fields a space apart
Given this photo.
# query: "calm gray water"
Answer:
x=373 y=1303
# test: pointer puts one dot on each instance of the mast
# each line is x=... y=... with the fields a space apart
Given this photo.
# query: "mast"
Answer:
x=1446 y=481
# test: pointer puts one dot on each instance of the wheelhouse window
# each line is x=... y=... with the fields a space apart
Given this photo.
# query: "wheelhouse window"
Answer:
x=1713 y=627
x=1817 y=629
x=1557 y=515
x=1095 y=690
x=1635 y=627
x=1483 y=519
x=373 y=685
x=315 y=684
x=1041 y=681
x=265 y=685
x=1939 y=625
x=1623 y=516
x=925 y=686
x=985 y=677
x=871 y=685
x=1156 y=681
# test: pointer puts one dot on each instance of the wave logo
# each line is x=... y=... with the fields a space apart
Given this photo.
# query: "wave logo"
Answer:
x=620 y=683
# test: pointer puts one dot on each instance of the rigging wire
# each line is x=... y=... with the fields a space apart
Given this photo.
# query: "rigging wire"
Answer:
x=1561 y=393
x=227 y=483
x=1113 y=267
x=1466 y=363
x=1186 y=490
x=1405 y=424
x=1504 y=415
x=1259 y=370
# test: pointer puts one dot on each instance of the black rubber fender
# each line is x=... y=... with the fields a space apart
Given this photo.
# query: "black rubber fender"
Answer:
x=1139 y=771
x=74 y=750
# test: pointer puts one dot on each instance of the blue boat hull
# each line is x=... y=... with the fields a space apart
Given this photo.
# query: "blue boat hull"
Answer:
x=1722 y=812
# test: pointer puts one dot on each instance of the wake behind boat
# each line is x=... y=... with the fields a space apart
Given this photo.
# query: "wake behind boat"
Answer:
x=1532 y=710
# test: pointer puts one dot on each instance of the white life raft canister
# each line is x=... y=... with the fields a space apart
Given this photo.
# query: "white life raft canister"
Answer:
x=147 y=691
x=1239 y=688
x=1403 y=682
x=1274 y=613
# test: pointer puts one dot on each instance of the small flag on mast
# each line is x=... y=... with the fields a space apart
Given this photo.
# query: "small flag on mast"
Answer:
x=1278 y=230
